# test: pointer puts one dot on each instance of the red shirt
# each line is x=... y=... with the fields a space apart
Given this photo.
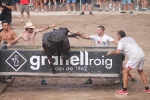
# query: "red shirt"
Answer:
x=24 y=1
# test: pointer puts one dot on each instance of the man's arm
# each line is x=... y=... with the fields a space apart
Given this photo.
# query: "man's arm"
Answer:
x=44 y=29
x=14 y=37
x=16 y=40
x=0 y=39
x=115 y=41
x=9 y=7
x=117 y=51
x=1 y=8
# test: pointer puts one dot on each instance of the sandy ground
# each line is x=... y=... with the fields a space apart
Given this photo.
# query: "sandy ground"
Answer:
x=29 y=88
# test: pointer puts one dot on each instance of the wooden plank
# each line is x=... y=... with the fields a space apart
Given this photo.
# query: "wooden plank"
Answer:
x=60 y=75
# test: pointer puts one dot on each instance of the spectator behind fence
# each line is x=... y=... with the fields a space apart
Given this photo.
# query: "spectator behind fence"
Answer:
x=16 y=4
x=24 y=6
x=83 y=2
x=6 y=8
x=37 y=4
x=125 y=4
x=101 y=4
x=73 y=2
x=115 y=2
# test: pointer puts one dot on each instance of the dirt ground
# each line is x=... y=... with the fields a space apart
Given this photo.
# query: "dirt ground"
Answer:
x=29 y=88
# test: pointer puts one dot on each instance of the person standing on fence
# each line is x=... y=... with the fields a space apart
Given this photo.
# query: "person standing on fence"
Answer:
x=136 y=57
x=24 y=6
x=83 y=2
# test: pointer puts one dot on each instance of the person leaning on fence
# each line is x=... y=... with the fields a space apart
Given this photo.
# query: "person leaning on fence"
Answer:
x=29 y=34
x=83 y=2
x=136 y=59
x=29 y=37
x=6 y=35
x=101 y=40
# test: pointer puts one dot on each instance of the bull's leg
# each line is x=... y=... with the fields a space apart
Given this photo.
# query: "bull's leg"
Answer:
x=51 y=63
x=63 y=56
x=49 y=55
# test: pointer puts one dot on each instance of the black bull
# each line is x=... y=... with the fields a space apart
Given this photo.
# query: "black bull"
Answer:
x=56 y=42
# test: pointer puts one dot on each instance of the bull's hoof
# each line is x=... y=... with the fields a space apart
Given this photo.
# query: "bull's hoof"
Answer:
x=53 y=60
x=54 y=72
x=65 y=58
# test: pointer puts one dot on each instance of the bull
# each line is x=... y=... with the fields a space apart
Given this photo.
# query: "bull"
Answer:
x=56 y=42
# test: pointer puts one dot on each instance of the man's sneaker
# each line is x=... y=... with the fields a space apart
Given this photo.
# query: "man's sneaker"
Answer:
x=122 y=12
x=63 y=4
x=69 y=12
x=100 y=9
x=42 y=10
x=121 y=92
x=137 y=8
x=134 y=80
x=74 y=12
x=22 y=20
x=106 y=10
x=113 y=10
x=89 y=81
x=97 y=5
x=130 y=12
x=36 y=10
x=110 y=5
x=146 y=91
x=55 y=3
x=82 y=13
x=90 y=13
x=43 y=82
x=29 y=20
x=49 y=3
x=119 y=10
x=12 y=23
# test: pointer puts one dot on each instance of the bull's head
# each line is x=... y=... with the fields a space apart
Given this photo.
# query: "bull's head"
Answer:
x=64 y=30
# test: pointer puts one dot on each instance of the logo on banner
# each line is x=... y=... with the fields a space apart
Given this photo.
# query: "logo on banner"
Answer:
x=16 y=60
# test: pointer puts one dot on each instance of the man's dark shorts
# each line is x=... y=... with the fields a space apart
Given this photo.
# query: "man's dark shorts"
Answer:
x=85 y=1
x=15 y=1
x=115 y=0
x=6 y=17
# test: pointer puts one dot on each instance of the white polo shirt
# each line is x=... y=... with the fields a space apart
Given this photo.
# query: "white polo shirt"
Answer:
x=130 y=48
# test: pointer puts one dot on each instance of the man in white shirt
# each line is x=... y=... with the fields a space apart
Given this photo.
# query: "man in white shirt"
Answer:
x=101 y=40
x=136 y=56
